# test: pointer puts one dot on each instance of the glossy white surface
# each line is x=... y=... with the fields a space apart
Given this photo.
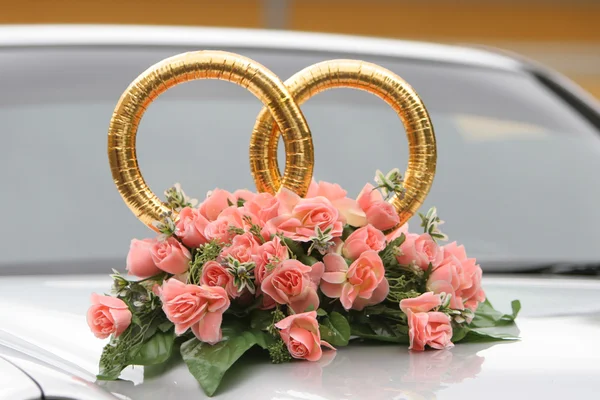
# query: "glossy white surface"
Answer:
x=557 y=357
x=15 y=384
x=90 y=35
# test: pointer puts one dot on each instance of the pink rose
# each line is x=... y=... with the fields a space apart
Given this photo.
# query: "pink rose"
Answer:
x=397 y=232
x=357 y=286
x=287 y=225
x=139 y=259
x=243 y=194
x=431 y=329
x=368 y=196
x=363 y=239
x=214 y=274
x=171 y=256
x=108 y=315
x=242 y=248
x=348 y=208
x=317 y=212
x=271 y=253
x=306 y=216
x=198 y=307
x=381 y=214
x=298 y=217
x=190 y=227
x=300 y=333
x=215 y=203
x=469 y=289
x=221 y=228
x=425 y=302
x=446 y=278
x=263 y=206
x=420 y=250
x=294 y=284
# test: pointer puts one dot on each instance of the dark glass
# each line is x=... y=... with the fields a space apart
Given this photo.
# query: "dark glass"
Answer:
x=517 y=170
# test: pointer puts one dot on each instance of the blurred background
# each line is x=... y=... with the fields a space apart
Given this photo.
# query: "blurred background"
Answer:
x=517 y=154
x=563 y=34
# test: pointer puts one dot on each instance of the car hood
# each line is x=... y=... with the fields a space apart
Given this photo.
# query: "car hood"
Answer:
x=43 y=318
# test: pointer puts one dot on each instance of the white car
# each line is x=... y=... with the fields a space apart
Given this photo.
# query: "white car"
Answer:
x=517 y=183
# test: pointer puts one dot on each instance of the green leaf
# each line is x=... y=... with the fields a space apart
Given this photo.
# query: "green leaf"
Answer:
x=300 y=254
x=263 y=339
x=459 y=332
x=321 y=312
x=364 y=331
x=389 y=312
x=482 y=335
x=347 y=232
x=165 y=326
x=486 y=316
x=516 y=308
x=261 y=319
x=155 y=351
x=155 y=370
x=208 y=363
x=335 y=330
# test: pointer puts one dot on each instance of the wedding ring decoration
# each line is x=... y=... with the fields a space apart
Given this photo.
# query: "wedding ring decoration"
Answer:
x=374 y=79
x=191 y=66
x=265 y=287
x=281 y=115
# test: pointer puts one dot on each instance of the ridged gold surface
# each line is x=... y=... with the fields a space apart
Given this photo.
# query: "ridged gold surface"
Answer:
x=203 y=65
x=373 y=79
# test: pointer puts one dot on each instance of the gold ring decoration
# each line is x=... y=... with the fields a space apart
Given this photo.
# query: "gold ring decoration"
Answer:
x=373 y=79
x=202 y=65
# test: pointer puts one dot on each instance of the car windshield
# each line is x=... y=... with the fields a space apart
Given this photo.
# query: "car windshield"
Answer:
x=517 y=167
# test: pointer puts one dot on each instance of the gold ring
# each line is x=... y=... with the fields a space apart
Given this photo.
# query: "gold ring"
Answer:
x=202 y=65
x=373 y=79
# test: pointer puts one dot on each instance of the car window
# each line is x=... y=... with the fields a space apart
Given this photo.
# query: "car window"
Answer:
x=516 y=169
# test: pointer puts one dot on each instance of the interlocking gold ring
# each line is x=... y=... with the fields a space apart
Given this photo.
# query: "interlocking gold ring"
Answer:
x=371 y=78
x=202 y=65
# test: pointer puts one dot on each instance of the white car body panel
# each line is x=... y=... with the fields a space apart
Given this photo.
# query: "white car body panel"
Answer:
x=106 y=35
x=556 y=358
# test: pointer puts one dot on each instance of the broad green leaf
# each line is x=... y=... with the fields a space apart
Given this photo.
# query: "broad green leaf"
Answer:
x=156 y=350
x=459 y=332
x=151 y=371
x=486 y=316
x=165 y=326
x=208 y=363
x=364 y=331
x=263 y=339
x=516 y=308
x=261 y=319
x=335 y=330
x=482 y=335
x=321 y=312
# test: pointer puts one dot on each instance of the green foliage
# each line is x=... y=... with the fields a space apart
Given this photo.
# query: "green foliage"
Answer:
x=138 y=344
x=298 y=252
x=388 y=255
x=176 y=198
x=156 y=350
x=486 y=316
x=209 y=363
x=335 y=329
x=430 y=223
x=380 y=330
x=486 y=323
x=203 y=254
x=279 y=353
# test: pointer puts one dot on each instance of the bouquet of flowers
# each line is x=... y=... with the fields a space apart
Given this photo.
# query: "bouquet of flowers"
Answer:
x=294 y=276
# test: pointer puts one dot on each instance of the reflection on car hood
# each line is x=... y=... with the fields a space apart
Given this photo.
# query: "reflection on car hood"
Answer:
x=44 y=317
